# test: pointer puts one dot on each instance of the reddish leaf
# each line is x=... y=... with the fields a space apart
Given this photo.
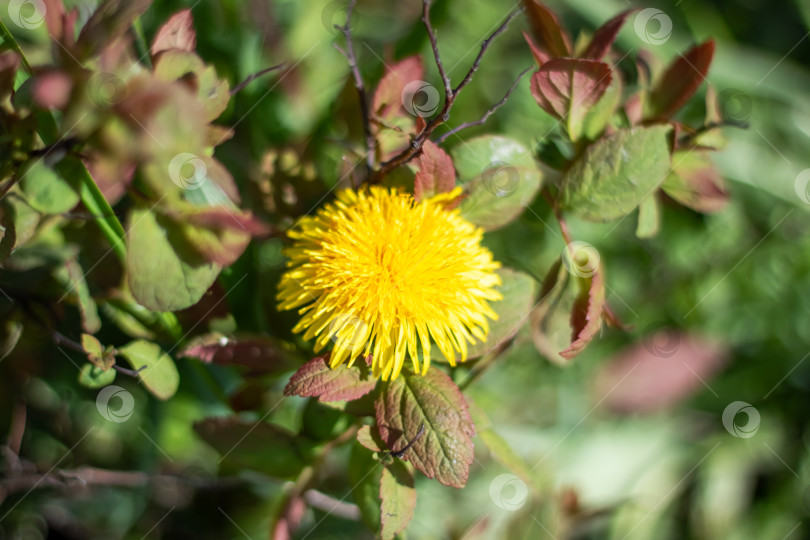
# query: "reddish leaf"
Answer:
x=398 y=499
x=566 y=88
x=388 y=97
x=547 y=30
x=586 y=316
x=695 y=183
x=343 y=383
x=445 y=449
x=261 y=355
x=436 y=172
x=52 y=89
x=111 y=20
x=218 y=234
x=221 y=217
x=9 y=62
x=563 y=84
x=176 y=33
x=664 y=369
x=605 y=35
x=540 y=56
x=680 y=81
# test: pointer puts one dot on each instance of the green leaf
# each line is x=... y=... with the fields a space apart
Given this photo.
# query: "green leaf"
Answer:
x=257 y=446
x=94 y=377
x=498 y=447
x=101 y=357
x=616 y=173
x=500 y=179
x=518 y=291
x=161 y=274
x=212 y=92
x=599 y=116
x=369 y=437
x=398 y=498
x=649 y=218
x=365 y=473
x=444 y=450
x=46 y=190
x=342 y=383
x=72 y=277
x=155 y=368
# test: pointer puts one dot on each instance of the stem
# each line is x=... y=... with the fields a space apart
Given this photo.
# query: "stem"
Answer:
x=563 y=225
x=350 y=55
x=8 y=38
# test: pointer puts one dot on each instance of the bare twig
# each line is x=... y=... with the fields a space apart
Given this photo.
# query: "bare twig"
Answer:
x=434 y=44
x=126 y=371
x=255 y=76
x=59 y=339
x=335 y=507
x=90 y=476
x=350 y=55
x=450 y=96
x=487 y=114
x=484 y=46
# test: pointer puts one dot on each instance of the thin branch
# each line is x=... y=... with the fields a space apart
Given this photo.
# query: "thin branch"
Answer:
x=434 y=44
x=330 y=505
x=59 y=339
x=255 y=76
x=484 y=46
x=351 y=57
x=91 y=476
x=126 y=371
x=487 y=114
x=450 y=97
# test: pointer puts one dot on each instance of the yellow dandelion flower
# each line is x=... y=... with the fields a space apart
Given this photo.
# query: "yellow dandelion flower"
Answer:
x=380 y=274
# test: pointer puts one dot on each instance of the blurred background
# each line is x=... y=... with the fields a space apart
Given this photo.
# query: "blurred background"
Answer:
x=691 y=425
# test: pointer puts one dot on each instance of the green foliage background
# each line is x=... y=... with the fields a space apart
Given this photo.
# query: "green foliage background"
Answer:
x=740 y=277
